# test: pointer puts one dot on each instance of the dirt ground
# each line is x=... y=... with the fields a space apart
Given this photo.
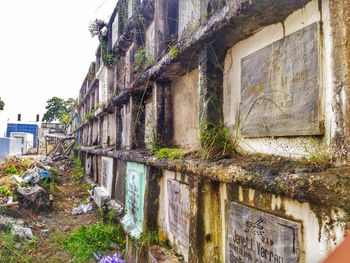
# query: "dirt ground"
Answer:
x=44 y=225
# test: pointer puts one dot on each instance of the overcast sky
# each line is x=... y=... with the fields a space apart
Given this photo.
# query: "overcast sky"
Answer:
x=45 y=51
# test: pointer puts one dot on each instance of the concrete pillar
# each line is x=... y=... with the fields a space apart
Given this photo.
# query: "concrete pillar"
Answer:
x=340 y=29
x=211 y=66
x=195 y=221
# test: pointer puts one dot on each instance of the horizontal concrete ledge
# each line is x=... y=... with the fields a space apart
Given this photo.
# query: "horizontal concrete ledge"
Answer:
x=322 y=185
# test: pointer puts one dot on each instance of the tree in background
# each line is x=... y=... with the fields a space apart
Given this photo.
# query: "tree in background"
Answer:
x=58 y=109
x=2 y=104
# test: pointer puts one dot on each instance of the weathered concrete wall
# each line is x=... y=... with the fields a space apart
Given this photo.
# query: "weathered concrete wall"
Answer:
x=150 y=41
x=120 y=182
x=104 y=131
x=103 y=86
x=315 y=11
x=95 y=132
x=115 y=30
x=306 y=199
x=316 y=239
x=128 y=62
x=189 y=16
x=174 y=211
x=150 y=131
x=106 y=172
x=112 y=129
x=127 y=126
x=185 y=110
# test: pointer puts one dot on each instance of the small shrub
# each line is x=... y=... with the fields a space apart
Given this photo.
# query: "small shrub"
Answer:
x=12 y=170
x=170 y=153
x=5 y=191
x=148 y=238
x=216 y=141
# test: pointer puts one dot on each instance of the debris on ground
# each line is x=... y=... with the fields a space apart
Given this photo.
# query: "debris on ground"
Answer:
x=16 y=227
x=115 y=258
x=47 y=231
x=24 y=179
x=63 y=145
x=82 y=209
x=35 y=198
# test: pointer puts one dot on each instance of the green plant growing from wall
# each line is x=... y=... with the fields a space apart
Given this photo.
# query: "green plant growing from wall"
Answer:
x=318 y=152
x=216 y=141
x=89 y=117
x=173 y=52
x=142 y=61
x=109 y=58
x=170 y=153
x=147 y=239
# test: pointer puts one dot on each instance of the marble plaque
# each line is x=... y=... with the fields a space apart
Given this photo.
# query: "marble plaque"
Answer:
x=107 y=174
x=280 y=87
x=256 y=236
x=134 y=199
x=178 y=211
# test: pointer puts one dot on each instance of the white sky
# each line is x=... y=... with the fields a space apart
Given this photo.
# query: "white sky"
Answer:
x=45 y=51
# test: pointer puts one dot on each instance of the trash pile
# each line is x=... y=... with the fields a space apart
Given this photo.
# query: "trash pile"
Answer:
x=24 y=181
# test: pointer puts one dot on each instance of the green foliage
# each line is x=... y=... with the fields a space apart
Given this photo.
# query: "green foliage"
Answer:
x=173 y=52
x=170 y=153
x=82 y=242
x=77 y=171
x=57 y=109
x=142 y=61
x=10 y=254
x=12 y=170
x=65 y=119
x=317 y=152
x=148 y=238
x=216 y=141
x=23 y=184
x=109 y=58
x=5 y=191
x=89 y=117
x=2 y=104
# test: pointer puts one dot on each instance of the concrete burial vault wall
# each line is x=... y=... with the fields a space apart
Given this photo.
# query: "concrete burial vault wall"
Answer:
x=273 y=183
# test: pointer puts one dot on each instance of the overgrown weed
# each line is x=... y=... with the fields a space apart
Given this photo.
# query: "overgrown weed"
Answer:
x=170 y=153
x=83 y=241
x=77 y=170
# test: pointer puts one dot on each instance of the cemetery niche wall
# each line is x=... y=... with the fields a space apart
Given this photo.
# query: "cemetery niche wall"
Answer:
x=272 y=77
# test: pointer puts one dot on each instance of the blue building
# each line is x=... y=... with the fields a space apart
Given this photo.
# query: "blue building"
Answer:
x=32 y=128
